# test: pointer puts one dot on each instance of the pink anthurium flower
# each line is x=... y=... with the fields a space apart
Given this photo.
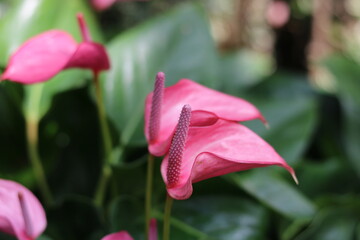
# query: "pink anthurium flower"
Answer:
x=45 y=55
x=124 y=235
x=21 y=213
x=164 y=104
x=199 y=153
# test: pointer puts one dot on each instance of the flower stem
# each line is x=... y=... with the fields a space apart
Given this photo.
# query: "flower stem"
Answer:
x=32 y=126
x=107 y=145
x=167 y=214
x=149 y=183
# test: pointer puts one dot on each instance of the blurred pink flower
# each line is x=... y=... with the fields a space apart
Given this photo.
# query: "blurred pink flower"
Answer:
x=124 y=235
x=45 y=55
x=162 y=110
x=277 y=13
x=101 y=5
x=199 y=153
x=153 y=233
x=21 y=213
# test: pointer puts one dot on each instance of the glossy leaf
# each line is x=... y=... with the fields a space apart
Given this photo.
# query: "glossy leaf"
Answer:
x=126 y=213
x=332 y=224
x=223 y=217
x=73 y=218
x=243 y=69
x=177 y=43
x=333 y=177
x=346 y=74
x=289 y=105
x=273 y=191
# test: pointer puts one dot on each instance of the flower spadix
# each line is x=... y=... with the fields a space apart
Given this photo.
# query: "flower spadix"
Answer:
x=198 y=153
x=21 y=213
x=45 y=55
x=163 y=105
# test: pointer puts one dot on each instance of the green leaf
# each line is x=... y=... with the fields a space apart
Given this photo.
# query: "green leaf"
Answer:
x=73 y=218
x=127 y=213
x=332 y=223
x=243 y=69
x=222 y=217
x=272 y=190
x=38 y=97
x=177 y=43
x=290 y=107
x=347 y=74
x=333 y=176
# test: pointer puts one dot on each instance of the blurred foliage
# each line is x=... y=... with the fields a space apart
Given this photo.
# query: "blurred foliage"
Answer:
x=314 y=130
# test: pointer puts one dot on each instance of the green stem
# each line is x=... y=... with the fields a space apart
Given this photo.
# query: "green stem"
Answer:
x=167 y=215
x=32 y=126
x=107 y=145
x=149 y=183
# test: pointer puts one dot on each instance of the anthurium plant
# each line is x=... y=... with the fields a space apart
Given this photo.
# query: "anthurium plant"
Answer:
x=111 y=110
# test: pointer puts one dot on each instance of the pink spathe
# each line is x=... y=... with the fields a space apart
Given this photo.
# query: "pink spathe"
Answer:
x=45 y=55
x=124 y=235
x=219 y=149
x=207 y=106
x=21 y=213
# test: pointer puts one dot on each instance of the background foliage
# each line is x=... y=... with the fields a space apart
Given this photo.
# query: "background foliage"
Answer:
x=311 y=101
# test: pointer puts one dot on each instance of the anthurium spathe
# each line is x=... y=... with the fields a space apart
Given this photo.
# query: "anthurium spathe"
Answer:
x=45 y=55
x=21 y=213
x=124 y=235
x=162 y=108
x=198 y=153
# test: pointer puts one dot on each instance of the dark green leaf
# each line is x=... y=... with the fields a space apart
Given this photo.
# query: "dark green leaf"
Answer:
x=289 y=105
x=127 y=213
x=347 y=74
x=73 y=218
x=332 y=224
x=222 y=217
x=272 y=190
x=334 y=176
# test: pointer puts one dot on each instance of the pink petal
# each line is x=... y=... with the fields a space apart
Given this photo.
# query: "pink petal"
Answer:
x=123 y=235
x=220 y=149
x=208 y=104
x=11 y=217
x=40 y=58
x=90 y=55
